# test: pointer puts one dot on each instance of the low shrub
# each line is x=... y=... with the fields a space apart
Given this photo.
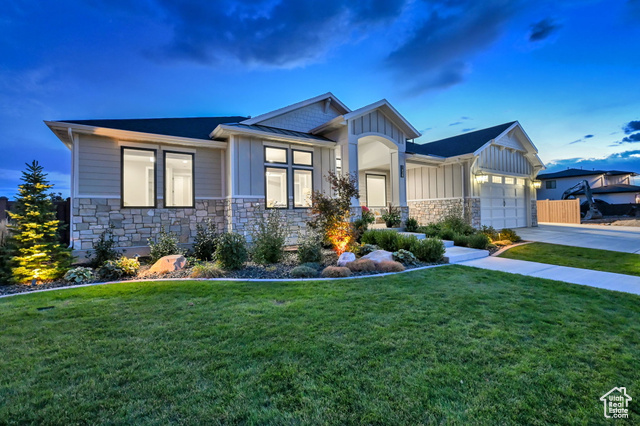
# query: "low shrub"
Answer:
x=119 y=268
x=365 y=249
x=502 y=243
x=206 y=270
x=304 y=272
x=411 y=225
x=387 y=240
x=404 y=242
x=479 y=241
x=312 y=265
x=428 y=250
x=231 y=252
x=405 y=257
x=455 y=221
x=370 y=237
x=447 y=234
x=431 y=230
x=361 y=265
x=103 y=249
x=165 y=244
x=390 y=266
x=336 y=272
x=461 y=240
x=309 y=248
x=205 y=241
x=490 y=232
x=509 y=234
x=79 y=275
x=268 y=236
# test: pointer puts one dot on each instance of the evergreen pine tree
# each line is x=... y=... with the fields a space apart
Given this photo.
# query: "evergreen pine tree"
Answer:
x=34 y=243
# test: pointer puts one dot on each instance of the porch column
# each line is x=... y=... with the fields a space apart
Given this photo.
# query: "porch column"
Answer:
x=350 y=161
x=398 y=175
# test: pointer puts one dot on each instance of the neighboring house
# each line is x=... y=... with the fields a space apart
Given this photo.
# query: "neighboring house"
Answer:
x=612 y=186
x=143 y=174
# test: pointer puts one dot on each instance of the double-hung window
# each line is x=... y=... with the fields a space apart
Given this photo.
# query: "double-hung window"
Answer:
x=178 y=180
x=138 y=179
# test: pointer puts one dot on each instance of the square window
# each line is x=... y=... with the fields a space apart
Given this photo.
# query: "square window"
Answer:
x=302 y=188
x=178 y=180
x=509 y=181
x=138 y=177
x=550 y=184
x=276 y=188
x=520 y=181
x=496 y=179
x=302 y=158
x=275 y=155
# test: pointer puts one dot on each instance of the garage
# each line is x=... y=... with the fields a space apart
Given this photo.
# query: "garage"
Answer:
x=503 y=202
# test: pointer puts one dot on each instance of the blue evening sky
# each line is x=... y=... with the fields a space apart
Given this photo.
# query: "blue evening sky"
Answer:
x=569 y=71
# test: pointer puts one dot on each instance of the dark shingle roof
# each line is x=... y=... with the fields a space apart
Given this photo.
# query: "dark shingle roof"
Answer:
x=465 y=143
x=580 y=172
x=608 y=189
x=190 y=127
x=278 y=131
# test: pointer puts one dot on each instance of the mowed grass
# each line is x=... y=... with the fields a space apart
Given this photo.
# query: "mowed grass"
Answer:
x=449 y=345
x=577 y=257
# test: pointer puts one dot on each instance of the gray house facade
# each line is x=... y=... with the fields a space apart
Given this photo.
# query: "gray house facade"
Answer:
x=144 y=174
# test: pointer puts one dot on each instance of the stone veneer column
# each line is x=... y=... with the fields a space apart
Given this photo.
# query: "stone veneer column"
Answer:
x=534 y=213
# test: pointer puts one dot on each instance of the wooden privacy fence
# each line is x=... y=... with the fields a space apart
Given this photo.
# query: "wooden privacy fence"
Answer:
x=559 y=211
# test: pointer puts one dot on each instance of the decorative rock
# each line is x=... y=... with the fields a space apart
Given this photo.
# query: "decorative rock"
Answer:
x=345 y=258
x=379 y=256
x=166 y=264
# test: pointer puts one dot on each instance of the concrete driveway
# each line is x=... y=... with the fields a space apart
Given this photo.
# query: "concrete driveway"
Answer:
x=615 y=238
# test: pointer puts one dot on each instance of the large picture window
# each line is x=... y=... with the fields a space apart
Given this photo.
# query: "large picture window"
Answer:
x=138 y=177
x=302 y=188
x=276 y=187
x=178 y=180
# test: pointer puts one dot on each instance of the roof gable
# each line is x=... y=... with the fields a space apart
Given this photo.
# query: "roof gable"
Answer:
x=390 y=112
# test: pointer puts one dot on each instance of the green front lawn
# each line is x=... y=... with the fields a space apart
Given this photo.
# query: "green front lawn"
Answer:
x=451 y=345
x=577 y=257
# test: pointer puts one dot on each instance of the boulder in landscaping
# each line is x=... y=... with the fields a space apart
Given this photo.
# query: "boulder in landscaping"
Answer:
x=165 y=264
x=345 y=258
x=379 y=256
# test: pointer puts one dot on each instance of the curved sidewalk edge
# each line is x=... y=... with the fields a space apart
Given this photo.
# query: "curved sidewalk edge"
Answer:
x=588 y=277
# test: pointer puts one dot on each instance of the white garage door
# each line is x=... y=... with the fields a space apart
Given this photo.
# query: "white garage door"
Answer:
x=502 y=203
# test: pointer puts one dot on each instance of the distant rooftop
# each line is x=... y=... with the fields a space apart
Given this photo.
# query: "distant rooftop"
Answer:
x=581 y=172
x=608 y=189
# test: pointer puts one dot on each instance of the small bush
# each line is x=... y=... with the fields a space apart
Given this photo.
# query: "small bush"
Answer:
x=268 y=237
x=103 y=249
x=390 y=266
x=411 y=225
x=312 y=265
x=79 y=275
x=387 y=240
x=479 y=241
x=336 y=272
x=509 y=234
x=205 y=241
x=392 y=216
x=119 y=268
x=454 y=220
x=405 y=257
x=231 y=252
x=206 y=270
x=448 y=234
x=502 y=243
x=310 y=248
x=431 y=230
x=370 y=237
x=304 y=272
x=365 y=249
x=461 y=240
x=361 y=265
x=165 y=244
x=428 y=250
x=490 y=232
x=404 y=242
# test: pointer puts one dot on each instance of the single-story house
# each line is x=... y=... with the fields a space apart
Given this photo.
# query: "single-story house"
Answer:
x=143 y=174
x=611 y=186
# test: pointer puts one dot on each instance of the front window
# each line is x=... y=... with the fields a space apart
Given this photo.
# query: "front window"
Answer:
x=275 y=155
x=302 y=188
x=138 y=177
x=302 y=158
x=276 y=187
x=178 y=178
x=550 y=184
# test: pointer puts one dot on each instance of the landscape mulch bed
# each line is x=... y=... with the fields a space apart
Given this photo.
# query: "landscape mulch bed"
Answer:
x=250 y=271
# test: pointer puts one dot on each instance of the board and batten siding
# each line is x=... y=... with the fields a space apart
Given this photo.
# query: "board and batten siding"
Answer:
x=377 y=122
x=249 y=164
x=99 y=167
x=428 y=183
x=502 y=160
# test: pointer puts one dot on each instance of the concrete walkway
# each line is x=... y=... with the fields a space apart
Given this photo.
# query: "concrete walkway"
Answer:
x=615 y=238
x=606 y=280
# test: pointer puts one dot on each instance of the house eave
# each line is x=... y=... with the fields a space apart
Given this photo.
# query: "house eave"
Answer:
x=223 y=131
x=302 y=104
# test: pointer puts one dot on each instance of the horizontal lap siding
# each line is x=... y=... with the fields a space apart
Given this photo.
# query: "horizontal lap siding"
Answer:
x=208 y=173
x=424 y=183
